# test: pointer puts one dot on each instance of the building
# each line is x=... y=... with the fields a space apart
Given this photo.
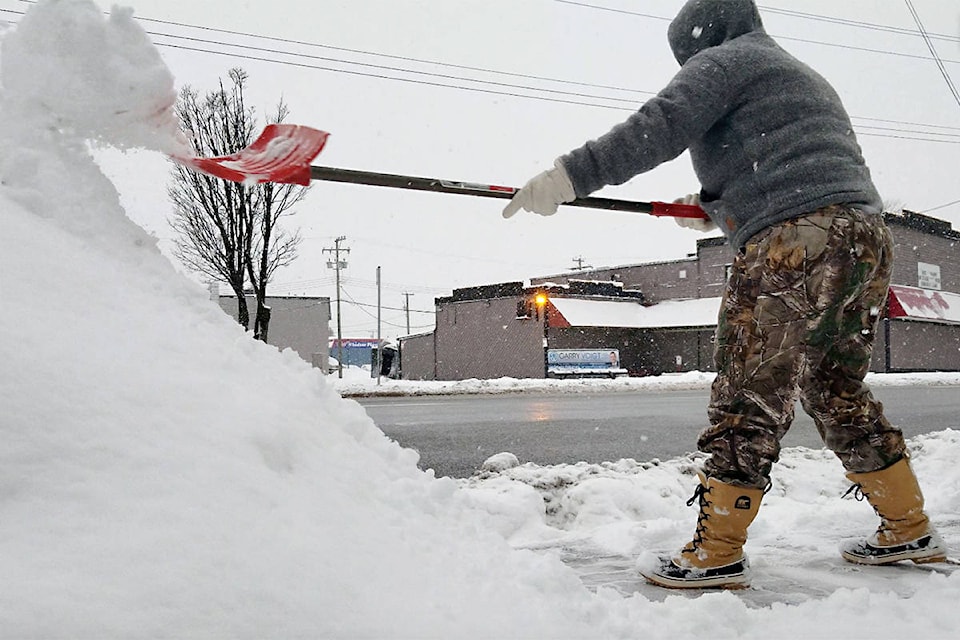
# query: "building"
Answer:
x=660 y=317
x=509 y=330
x=355 y=352
x=298 y=323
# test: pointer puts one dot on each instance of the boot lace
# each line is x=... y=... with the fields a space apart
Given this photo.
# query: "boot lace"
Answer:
x=859 y=495
x=857 y=491
x=699 y=495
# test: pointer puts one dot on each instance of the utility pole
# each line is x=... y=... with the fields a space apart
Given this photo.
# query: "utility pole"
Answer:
x=580 y=266
x=337 y=264
x=379 y=334
x=406 y=308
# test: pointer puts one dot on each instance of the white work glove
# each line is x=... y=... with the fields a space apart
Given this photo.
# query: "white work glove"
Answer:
x=543 y=193
x=697 y=224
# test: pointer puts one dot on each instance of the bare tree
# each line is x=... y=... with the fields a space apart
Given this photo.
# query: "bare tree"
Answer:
x=230 y=231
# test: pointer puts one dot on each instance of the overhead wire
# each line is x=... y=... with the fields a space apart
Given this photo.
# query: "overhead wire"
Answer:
x=388 y=56
x=490 y=87
x=429 y=74
x=933 y=51
x=841 y=21
x=942 y=206
x=371 y=284
x=362 y=307
x=854 y=23
x=767 y=9
x=384 y=307
x=575 y=98
x=927 y=132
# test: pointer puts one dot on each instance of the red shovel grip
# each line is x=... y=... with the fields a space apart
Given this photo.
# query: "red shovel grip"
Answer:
x=678 y=210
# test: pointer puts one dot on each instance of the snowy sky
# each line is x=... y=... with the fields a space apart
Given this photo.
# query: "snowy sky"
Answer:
x=331 y=62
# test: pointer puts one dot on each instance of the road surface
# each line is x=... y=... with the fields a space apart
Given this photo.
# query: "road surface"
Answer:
x=455 y=434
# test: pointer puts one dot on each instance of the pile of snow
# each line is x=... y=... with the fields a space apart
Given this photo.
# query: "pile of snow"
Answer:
x=66 y=67
x=163 y=475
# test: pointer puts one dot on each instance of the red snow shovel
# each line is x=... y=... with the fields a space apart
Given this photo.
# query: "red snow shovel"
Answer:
x=283 y=153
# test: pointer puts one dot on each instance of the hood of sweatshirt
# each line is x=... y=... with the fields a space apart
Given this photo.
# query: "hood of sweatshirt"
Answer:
x=702 y=24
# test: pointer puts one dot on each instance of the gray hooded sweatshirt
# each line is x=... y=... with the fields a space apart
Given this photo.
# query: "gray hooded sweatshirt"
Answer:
x=769 y=137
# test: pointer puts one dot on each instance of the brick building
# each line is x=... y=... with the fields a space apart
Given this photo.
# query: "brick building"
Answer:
x=661 y=316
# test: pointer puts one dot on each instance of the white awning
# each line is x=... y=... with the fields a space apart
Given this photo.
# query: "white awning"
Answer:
x=924 y=304
x=579 y=312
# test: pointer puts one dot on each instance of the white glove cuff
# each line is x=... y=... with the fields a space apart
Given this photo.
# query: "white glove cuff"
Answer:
x=564 y=184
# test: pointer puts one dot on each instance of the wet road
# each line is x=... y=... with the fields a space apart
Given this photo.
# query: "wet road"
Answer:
x=455 y=434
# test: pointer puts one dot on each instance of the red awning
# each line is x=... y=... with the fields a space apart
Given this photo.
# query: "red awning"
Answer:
x=924 y=304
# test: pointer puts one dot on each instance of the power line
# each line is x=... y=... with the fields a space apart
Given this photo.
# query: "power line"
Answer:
x=787 y=12
x=366 y=284
x=444 y=254
x=855 y=23
x=614 y=10
x=571 y=97
x=440 y=254
x=933 y=50
x=913 y=124
x=429 y=74
x=822 y=43
x=373 y=306
x=361 y=306
x=942 y=206
x=925 y=137
x=266 y=50
x=531 y=76
x=303 y=284
x=391 y=57
x=509 y=94
x=850 y=47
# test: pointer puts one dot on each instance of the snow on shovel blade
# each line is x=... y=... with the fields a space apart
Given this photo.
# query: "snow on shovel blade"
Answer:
x=281 y=154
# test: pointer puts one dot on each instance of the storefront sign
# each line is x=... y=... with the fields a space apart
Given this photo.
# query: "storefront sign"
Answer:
x=584 y=361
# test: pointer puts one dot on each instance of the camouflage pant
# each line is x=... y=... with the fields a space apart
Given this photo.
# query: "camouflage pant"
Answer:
x=799 y=316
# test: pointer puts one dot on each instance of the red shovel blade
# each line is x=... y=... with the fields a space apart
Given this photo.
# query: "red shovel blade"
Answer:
x=281 y=154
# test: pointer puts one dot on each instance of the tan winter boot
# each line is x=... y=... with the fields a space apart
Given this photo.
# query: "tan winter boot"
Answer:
x=714 y=558
x=905 y=532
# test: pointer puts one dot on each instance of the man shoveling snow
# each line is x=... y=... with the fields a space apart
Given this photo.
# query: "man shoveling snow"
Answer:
x=783 y=177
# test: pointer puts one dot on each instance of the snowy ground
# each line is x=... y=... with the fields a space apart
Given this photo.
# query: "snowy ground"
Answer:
x=164 y=476
x=356 y=381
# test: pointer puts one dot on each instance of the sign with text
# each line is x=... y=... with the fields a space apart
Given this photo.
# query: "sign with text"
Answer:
x=928 y=276
x=573 y=361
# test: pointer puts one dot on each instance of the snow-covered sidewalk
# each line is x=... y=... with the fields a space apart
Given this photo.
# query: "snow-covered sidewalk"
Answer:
x=602 y=519
x=356 y=381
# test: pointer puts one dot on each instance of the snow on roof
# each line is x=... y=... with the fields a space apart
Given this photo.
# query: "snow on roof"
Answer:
x=905 y=302
x=924 y=304
x=579 y=312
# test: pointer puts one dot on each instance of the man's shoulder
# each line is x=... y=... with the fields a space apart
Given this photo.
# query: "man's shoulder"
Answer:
x=743 y=59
